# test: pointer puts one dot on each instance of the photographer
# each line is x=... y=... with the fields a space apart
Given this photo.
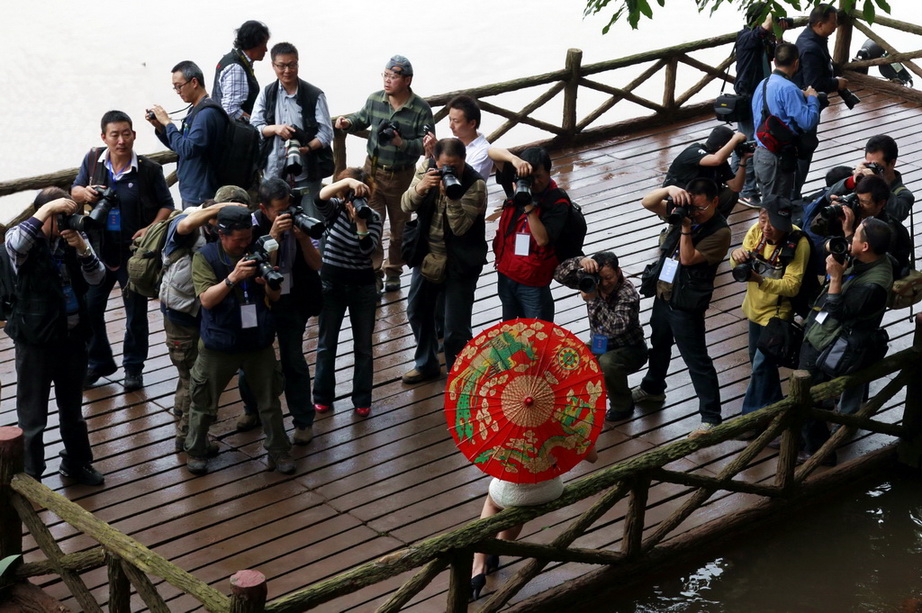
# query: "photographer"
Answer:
x=683 y=281
x=614 y=321
x=708 y=160
x=397 y=119
x=528 y=228
x=292 y=117
x=880 y=154
x=852 y=302
x=843 y=214
x=134 y=190
x=236 y=333
x=348 y=276
x=773 y=268
x=52 y=268
x=298 y=261
x=451 y=197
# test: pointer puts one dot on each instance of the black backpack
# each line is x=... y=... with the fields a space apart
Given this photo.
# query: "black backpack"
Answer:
x=570 y=242
x=237 y=162
x=810 y=286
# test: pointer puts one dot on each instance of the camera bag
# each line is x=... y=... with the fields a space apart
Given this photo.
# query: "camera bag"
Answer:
x=732 y=108
x=780 y=340
x=772 y=132
x=851 y=350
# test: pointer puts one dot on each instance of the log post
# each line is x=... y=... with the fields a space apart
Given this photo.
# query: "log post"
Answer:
x=459 y=587
x=841 y=54
x=669 y=86
x=248 y=592
x=790 y=439
x=119 y=586
x=631 y=543
x=11 y=457
x=570 y=93
x=909 y=451
x=339 y=151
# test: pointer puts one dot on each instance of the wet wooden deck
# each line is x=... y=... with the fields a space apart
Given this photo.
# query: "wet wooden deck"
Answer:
x=366 y=487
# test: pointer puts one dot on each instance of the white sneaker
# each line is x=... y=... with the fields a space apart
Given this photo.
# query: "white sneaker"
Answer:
x=704 y=428
x=639 y=395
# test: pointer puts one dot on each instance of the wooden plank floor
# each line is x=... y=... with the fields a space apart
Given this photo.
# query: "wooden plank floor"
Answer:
x=366 y=487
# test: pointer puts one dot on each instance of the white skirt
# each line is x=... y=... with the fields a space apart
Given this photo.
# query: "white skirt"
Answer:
x=509 y=494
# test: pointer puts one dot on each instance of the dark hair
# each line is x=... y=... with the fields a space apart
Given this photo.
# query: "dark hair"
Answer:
x=273 y=188
x=114 y=117
x=754 y=14
x=190 y=70
x=251 y=34
x=874 y=185
x=537 y=157
x=877 y=234
x=703 y=187
x=283 y=49
x=451 y=147
x=606 y=258
x=786 y=54
x=47 y=195
x=468 y=106
x=354 y=172
x=882 y=143
x=821 y=13
x=836 y=174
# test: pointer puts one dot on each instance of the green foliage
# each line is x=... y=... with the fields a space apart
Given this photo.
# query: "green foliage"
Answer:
x=632 y=10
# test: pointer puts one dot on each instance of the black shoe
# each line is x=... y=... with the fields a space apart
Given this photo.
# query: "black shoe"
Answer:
x=95 y=374
x=829 y=460
x=492 y=563
x=85 y=475
x=477 y=583
x=133 y=381
x=613 y=415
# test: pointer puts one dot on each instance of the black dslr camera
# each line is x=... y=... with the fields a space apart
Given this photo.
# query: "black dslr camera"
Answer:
x=836 y=210
x=309 y=225
x=362 y=210
x=387 y=131
x=676 y=213
x=837 y=247
x=745 y=147
x=849 y=98
x=522 y=195
x=453 y=188
x=78 y=222
x=588 y=282
x=874 y=167
x=262 y=253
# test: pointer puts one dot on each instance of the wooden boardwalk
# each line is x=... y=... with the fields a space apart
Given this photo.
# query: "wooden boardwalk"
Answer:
x=365 y=487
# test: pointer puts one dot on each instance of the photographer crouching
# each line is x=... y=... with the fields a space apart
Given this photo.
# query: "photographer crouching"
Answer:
x=614 y=321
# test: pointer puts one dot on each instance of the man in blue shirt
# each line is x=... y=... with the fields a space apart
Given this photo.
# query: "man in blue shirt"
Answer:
x=198 y=144
x=776 y=162
x=139 y=199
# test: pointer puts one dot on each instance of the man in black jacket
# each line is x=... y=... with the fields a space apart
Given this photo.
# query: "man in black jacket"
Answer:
x=53 y=265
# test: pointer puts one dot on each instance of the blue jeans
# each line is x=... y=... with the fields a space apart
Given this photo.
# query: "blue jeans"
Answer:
x=361 y=301
x=289 y=327
x=765 y=382
x=524 y=301
x=458 y=305
x=136 y=329
x=687 y=331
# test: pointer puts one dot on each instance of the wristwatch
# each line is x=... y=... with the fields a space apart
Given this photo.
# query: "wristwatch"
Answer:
x=228 y=282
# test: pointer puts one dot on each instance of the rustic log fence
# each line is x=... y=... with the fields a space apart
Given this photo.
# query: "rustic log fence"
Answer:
x=643 y=546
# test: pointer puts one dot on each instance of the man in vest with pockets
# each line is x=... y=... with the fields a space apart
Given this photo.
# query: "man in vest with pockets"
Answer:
x=293 y=120
x=235 y=86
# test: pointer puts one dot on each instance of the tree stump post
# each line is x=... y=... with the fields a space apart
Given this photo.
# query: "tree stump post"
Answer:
x=841 y=54
x=570 y=92
x=339 y=151
x=12 y=449
x=459 y=585
x=119 y=586
x=248 y=592
x=909 y=451
x=790 y=438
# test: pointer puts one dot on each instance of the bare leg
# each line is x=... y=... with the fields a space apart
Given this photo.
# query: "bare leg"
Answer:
x=490 y=509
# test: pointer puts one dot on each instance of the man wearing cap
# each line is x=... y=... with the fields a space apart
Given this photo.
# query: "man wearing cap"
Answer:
x=710 y=160
x=397 y=119
x=187 y=234
x=236 y=333
x=777 y=254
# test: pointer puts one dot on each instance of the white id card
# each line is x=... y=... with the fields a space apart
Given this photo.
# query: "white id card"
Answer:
x=247 y=316
x=821 y=317
x=522 y=244
x=286 y=283
x=670 y=267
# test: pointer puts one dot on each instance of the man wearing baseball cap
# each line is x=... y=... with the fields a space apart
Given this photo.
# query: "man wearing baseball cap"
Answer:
x=397 y=120
x=775 y=254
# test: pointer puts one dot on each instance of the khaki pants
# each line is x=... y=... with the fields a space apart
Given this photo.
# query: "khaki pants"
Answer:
x=389 y=188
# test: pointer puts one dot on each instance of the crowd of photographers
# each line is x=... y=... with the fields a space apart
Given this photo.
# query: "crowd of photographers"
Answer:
x=245 y=269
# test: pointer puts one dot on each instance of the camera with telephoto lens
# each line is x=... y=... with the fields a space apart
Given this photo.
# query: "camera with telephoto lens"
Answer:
x=836 y=210
x=362 y=210
x=837 y=247
x=676 y=213
x=874 y=167
x=108 y=198
x=262 y=254
x=293 y=157
x=311 y=226
x=387 y=131
x=849 y=98
x=453 y=188
x=522 y=195
x=745 y=147
x=588 y=282
x=785 y=22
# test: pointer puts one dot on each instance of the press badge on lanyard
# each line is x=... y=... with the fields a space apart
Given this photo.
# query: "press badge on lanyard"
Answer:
x=523 y=239
x=667 y=274
x=114 y=220
x=247 y=310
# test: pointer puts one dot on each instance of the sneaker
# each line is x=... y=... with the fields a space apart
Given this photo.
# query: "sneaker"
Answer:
x=93 y=375
x=322 y=408
x=197 y=466
x=363 y=411
x=85 y=475
x=303 y=436
x=211 y=452
x=415 y=376
x=613 y=415
x=133 y=381
x=752 y=201
x=703 y=429
x=639 y=394
x=392 y=284
x=282 y=463
x=247 y=422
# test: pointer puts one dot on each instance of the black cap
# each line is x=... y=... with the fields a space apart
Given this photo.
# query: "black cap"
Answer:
x=719 y=137
x=779 y=211
x=232 y=218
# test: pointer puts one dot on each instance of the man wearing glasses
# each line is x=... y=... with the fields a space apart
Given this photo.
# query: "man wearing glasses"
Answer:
x=397 y=118
x=198 y=143
x=293 y=119
x=690 y=252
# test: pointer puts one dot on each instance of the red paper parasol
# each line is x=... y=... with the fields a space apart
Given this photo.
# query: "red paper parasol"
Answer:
x=525 y=400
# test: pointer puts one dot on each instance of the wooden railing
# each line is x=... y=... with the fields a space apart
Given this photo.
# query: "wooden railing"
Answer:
x=129 y=562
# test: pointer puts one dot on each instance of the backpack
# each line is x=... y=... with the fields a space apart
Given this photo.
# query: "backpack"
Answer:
x=7 y=284
x=145 y=265
x=570 y=242
x=237 y=162
x=810 y=285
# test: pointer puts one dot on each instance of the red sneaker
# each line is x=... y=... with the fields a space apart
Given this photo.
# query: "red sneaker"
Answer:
x=322 y=408
x=363 y=411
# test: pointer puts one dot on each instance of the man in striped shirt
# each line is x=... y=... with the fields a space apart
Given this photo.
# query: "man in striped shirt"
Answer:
x=397 y=119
